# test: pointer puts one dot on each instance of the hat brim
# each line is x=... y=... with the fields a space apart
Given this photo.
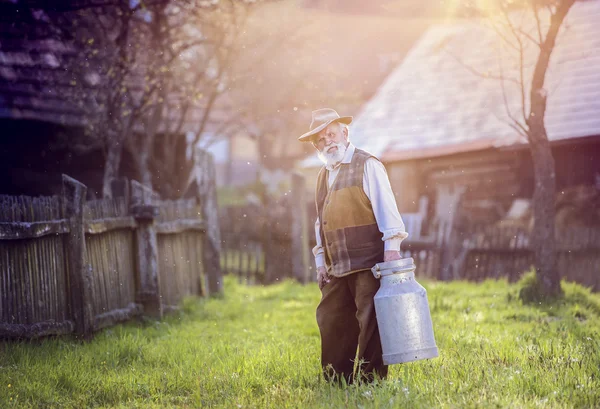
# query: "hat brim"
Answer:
x=307 y=137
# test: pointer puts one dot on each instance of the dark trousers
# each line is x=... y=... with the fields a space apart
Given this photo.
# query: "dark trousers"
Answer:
x=346 y=319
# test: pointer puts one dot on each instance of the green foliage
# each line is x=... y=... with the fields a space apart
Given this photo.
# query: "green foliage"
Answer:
x=258 y=347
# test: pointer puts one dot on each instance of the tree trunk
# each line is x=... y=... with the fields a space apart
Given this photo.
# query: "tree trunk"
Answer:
x=116 y=138
x=543 y=235
x=144 y=169
x=111 y=166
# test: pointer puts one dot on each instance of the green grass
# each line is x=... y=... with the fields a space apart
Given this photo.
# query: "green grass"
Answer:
x=259 y=347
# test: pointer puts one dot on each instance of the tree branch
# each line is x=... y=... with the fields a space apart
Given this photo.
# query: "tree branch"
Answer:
x=541 y=66
x=538 y=23
x=515 y=122
x=479 y=73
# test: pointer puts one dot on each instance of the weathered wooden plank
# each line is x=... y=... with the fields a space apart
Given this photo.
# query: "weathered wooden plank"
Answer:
x=98 y=226
x=180 y=226
x=51 y=247
x=27 y=267
x=165 y=267
x=20 y=306
x=201 y=272
x=30 y=230
x=46 y=258
x=29 y=288
x=30 y=209
x=102 y=272
x=92 y=260
x=207 y=196
x=39 y=329
x=299 y=229
x=61 y=292
x=79 y=280
x=106 y=208
x=112 y=261
x=5 y=306
x=123 y=266
x=147 y=253
x=118 y=315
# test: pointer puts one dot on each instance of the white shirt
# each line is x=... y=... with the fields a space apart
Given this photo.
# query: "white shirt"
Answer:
x=376 y=186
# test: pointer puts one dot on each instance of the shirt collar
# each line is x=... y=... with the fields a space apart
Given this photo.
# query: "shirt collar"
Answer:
x=346 y=159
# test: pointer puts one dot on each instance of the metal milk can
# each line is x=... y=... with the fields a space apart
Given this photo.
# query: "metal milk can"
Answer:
x=403 y=314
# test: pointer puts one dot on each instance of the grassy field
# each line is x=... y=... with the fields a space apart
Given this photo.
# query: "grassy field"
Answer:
x=258 y=347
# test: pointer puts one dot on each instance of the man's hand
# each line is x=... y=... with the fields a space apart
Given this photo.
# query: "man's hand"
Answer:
x=322 y=277
x=391 y=255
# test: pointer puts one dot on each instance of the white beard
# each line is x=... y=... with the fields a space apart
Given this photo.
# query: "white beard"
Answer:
x=331 y=159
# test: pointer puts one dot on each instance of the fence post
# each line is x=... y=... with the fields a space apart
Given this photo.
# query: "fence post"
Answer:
x=207 y=194
x=299 y=229
x=148 y=293
x=79 y=278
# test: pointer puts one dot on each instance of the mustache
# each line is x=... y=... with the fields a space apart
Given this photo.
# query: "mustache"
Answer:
x=333 y=157
x=339 y=145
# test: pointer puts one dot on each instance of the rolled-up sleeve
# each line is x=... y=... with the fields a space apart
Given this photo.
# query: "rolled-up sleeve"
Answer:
x=376 y=185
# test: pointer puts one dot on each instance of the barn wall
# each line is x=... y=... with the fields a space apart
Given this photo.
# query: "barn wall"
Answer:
x=34 y=155
x=406 y=184
x=491 y=179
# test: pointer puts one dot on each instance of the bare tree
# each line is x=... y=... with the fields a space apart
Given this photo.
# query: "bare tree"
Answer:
x=194 y=48
x=150 y=76
x=105 y=73
x=520 y=26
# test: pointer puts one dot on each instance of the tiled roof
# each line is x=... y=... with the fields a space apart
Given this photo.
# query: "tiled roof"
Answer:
x=434 y=104
x=36 y=79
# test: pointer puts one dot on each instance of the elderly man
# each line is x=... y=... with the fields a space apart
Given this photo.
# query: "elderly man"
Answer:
x=358 y=225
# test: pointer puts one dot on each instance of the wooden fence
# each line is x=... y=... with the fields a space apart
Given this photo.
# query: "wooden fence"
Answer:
x=505 y=251
x=180 y=236
x=268 y=243
x=255 y=237
x=71 y=266
x=243 y=242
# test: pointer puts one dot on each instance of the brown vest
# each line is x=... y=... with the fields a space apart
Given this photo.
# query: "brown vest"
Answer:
x=349 y=232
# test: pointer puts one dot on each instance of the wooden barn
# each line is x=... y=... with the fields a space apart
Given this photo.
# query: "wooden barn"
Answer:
x=439 y=123
x=440 y=128
x=40 y=108
x=55 y=73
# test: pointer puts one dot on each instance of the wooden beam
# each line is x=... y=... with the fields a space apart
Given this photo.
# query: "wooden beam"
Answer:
x=32 y=230
x=115 y=316
x=299 y=230
x=180 y=226
x=206 y=181
x=148 y=293
x=39 y=329
x=98 y=226
x=80 y=283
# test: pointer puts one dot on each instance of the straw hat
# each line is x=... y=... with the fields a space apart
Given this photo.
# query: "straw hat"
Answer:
x=320 y=119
